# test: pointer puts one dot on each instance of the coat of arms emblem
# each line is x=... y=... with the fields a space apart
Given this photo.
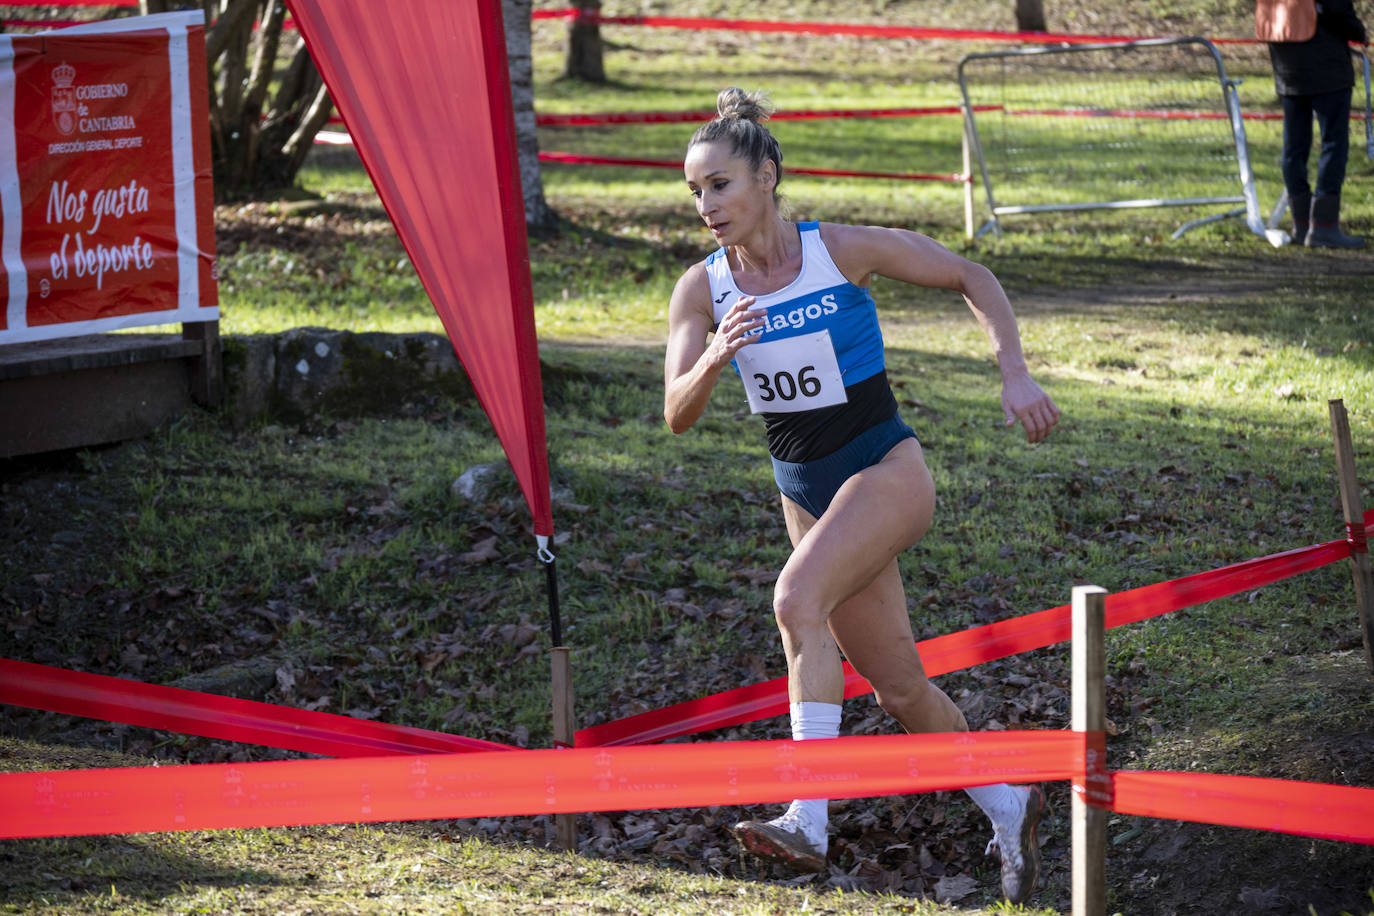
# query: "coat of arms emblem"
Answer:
x=64 y=97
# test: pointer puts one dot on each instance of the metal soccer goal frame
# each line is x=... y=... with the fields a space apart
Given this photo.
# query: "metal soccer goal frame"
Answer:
x=1247 y=197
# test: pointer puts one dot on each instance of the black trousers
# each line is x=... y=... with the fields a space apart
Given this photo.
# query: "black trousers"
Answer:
x=1332 y=110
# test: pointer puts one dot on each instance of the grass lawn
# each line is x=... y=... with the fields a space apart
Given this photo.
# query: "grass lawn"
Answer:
x=331 y=564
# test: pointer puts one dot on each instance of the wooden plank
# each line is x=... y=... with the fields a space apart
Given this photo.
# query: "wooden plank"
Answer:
x=1089 y=715
x=565 y=825
x=71 y=392
x=1349 y=482
x=60 y=410
x=93 y=351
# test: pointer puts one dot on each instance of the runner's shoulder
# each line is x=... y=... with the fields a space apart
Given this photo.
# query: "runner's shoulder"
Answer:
x=693 y=290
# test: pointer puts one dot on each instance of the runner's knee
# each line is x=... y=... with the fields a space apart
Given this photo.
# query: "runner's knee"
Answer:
x=795 y=609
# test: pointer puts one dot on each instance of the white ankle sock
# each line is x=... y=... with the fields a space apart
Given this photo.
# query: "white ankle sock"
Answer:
x=1001 y=803
x=813 y=720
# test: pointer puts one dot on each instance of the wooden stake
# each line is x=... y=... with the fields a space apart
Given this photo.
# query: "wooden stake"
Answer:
x=1089 y=716
x=565 y=825
x=1354 y=525
x=207 y=369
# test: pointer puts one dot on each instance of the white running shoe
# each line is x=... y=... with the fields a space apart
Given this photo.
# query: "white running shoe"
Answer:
x=783 y=840
x=1019 y=849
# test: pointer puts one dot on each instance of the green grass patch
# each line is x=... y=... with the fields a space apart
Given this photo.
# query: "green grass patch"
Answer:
x=335 y=562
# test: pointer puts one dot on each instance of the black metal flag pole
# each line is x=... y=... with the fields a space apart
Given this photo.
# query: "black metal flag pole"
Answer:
x=565 y=825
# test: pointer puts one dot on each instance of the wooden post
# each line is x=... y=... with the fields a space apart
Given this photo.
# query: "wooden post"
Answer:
x=1089 y=716
x=565 y=825
x=207 y=372
x=968 y=174
x=1354 y=525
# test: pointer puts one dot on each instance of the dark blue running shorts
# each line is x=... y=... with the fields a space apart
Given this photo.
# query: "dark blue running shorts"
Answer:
x=813 y=484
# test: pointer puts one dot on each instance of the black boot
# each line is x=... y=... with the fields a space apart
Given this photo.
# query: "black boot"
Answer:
x=1300 y=205
x=1325 y=231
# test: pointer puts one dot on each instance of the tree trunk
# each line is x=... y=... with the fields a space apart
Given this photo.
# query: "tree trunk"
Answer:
x=1030 y=16
x=539 y=217
x=584 y=45
x=259 y=138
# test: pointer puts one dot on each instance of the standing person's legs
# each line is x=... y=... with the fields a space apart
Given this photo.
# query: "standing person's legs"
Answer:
x=1297 y=147
x=1333 y=116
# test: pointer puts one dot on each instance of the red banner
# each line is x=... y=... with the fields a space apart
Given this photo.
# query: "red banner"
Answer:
x=105 y=178
x=427 y=99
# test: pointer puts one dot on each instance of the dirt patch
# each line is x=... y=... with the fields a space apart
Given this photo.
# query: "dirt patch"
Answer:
x=1177 y=868
x=1177 y=281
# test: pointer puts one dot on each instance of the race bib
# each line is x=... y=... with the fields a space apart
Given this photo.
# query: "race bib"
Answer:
x=794 y=374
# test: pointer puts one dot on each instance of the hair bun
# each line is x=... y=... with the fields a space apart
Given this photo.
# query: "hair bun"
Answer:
x=735 y=104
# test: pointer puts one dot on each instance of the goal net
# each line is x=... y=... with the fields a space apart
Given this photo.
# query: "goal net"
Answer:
x=1152 y=123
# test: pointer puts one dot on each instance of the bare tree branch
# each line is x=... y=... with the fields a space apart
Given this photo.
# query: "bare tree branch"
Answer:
x=236 y=17
x=294 y=83
x=264 y=63
x=316 y=117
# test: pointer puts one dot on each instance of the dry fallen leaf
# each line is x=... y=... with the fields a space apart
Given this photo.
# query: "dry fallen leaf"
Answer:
x=481 y=552
x=954 y=888
x=286 y=680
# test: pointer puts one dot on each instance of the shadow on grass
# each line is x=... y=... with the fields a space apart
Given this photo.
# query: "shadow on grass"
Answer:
x=69 y=871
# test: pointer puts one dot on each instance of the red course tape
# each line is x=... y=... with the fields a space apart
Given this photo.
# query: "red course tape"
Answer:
x=859 y=30
x=1279 y=805
x=113 y=699
x=507 y=784
x=557 y=156
x=502 y=783
x=71 y=3
x=278 y=793
x=956 y=651
x=684 y=117
x=152 y=706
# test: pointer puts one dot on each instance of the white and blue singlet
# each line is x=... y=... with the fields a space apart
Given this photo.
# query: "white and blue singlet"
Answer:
x=816 y=374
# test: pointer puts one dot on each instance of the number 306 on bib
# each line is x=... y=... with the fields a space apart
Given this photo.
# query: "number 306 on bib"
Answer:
x=793 y=374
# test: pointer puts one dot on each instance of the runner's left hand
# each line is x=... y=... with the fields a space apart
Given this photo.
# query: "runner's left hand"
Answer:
x=1024 y=400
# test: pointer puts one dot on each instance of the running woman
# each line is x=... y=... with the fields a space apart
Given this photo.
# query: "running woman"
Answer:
x=787 y=304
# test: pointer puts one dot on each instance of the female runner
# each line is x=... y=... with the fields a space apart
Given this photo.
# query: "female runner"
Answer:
x=790 y=308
